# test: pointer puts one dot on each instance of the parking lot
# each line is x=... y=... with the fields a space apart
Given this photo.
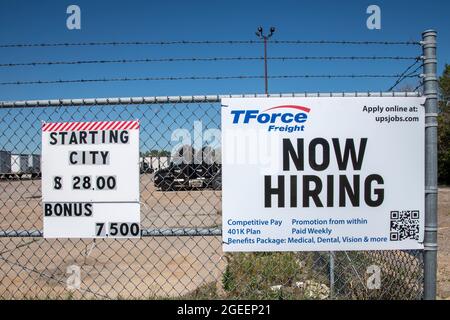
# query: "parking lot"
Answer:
x=145 y=268
x=150 y=267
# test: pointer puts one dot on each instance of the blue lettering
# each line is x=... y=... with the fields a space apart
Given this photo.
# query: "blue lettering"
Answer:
x=250 y=114
x=237 y=114
x=268 y=118
x=300 y=117
x=263 y=118
x=287 y=117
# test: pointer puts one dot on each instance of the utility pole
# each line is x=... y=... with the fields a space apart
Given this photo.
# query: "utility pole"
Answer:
x=261 y=35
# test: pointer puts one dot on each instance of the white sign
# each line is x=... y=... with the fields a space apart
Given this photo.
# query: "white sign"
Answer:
x=90 y=179
x=313 y=174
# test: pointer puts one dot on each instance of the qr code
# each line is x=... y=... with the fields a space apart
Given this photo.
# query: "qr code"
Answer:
x=404 y=225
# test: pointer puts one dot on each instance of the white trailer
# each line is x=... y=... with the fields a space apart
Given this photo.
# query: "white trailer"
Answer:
x=151 y=163
x=144 y=165
x=19 y=163
x=156 y=163
x=34 y=164
x=160 y=162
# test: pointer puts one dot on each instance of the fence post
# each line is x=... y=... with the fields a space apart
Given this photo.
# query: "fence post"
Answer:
x=331 y=271
x=431 y=108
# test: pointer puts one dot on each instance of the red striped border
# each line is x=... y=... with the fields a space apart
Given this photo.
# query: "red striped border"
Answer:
x=90 y=126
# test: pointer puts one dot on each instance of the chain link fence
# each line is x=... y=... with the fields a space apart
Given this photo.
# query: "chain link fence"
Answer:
x=180 y=253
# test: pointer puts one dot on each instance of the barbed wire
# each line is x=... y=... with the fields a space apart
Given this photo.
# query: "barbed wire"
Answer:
x=242 y=77
x=346 y=42
x=418 y=86
x=405 y=75
x=415 y=70
x=203 y=59
x=204 y=42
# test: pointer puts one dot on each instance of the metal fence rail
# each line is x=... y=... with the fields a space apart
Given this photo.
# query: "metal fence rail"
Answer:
x=180 y=252
x=192 y=99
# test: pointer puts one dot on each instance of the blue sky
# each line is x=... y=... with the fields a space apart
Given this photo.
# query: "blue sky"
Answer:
x=135 y=20
x=45 y=21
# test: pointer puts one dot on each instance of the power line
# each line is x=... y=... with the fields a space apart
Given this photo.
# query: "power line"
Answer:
x=240 y=77
x=200 y=59
x=203 y=42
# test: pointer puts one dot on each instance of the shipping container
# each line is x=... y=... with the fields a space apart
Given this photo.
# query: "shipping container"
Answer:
x=161 y=162
x=34 y=163
x=19 y=163
x=5 y=161
x=153 y=161
x=150 y=163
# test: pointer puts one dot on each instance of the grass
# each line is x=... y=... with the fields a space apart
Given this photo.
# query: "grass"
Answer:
x=304 y=275
x=269 y=275
x=400 y=276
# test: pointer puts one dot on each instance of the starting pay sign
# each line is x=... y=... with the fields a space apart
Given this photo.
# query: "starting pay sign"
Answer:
x=317 y=174
x=90 y=179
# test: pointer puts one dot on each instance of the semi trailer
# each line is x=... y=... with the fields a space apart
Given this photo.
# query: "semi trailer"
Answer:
x=191 y=170
x=19 y=165
x=151 y=164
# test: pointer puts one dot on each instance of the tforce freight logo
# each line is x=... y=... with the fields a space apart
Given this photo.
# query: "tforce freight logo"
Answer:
x=292 y=118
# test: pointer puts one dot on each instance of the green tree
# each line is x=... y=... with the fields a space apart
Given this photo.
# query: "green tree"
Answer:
x=444 y=128
x=153 y=153
x=164 y=153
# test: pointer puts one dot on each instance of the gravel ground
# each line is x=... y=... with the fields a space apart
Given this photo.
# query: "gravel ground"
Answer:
x=443 y=276
x=146 y=268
